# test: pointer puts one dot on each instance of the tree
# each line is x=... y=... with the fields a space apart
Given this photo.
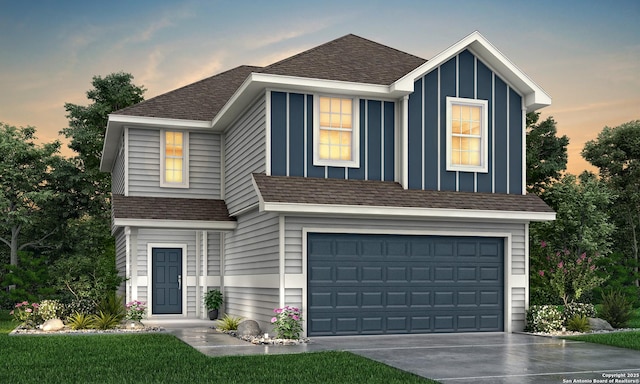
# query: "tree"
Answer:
x=35 y=196
x=616 y=153
x=546 y=153
x=86 y=130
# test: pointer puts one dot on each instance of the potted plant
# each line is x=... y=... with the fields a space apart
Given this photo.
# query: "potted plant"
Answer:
x=213 y=302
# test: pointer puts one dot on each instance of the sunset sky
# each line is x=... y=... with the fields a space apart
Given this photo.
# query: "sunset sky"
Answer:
x=585 y=54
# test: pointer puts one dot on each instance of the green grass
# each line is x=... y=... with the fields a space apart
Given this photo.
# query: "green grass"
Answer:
x=162 y=358
x=630 y=340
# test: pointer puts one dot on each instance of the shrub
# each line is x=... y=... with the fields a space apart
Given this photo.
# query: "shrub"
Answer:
x=50 y=309
x=229 y=323
x=84 y=306
x=80 y=321
x=616 y=309
x=112 y=305
x=26 y=314
x=135 y=310
x=287 y=323
x=104 y=320
x=213 y=299
x=544 y=318
x=579 y=324
x=572 y=310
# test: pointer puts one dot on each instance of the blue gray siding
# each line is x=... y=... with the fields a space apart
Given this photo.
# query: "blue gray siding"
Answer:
x=244 y=154
x=464 y=76
x=252 y=249
x=292 y=139
x=144 y=165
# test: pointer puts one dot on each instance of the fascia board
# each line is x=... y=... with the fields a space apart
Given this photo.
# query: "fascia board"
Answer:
x=535 y=97
x=177 y=224
x=406 y=212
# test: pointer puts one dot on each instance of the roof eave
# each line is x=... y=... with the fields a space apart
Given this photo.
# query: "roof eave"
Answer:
x=534 y=96
x=116 y=124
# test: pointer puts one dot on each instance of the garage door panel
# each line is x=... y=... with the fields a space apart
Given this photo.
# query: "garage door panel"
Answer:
x=404 y=284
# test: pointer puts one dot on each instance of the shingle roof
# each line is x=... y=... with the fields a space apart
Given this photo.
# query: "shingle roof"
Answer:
x=348 y=58
x=300 y=190
x=201 y=100
x=163 y=208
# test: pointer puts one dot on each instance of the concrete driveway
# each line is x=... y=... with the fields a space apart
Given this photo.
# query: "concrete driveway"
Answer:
x=450 y=358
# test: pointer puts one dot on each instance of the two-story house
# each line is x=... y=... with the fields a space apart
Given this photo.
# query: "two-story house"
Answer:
x=377 y=191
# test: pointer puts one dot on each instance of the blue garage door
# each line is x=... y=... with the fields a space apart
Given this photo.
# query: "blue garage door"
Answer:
x=380 y=284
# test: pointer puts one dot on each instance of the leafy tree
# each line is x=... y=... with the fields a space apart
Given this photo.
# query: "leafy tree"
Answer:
x=582 y=225
x=35 y=194
x=616 y=153
x=546 y=153
x=86 y=130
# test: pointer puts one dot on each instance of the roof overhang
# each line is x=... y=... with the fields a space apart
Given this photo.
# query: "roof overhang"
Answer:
x=116 y=124
x=177 y=224
x=534 y=96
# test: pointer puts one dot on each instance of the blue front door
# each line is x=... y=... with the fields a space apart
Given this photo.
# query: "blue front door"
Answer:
x=166 y=284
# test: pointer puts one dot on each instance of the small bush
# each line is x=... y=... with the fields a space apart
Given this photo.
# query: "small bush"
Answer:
x=80 y=321
x=50 y=309
x=112 y=305
x=573 y=310
x=228 y=323
x=84 y=306
x=105 y=320
x=579 y=324
x=287 y=323
x=616 y=309
x=544 y=318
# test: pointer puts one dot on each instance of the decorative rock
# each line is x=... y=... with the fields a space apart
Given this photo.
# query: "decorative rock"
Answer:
x=52 y=325
x=132 y=324
x=249 y=328
x=599 y=325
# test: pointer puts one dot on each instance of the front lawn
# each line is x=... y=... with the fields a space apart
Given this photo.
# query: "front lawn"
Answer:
x=629 y=340
x=162 y=358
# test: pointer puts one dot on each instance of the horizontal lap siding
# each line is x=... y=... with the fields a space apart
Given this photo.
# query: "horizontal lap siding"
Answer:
x=294 y=225
x=121 y=258
x=117 y=174
x=252 y=304
x=245 y=154
x=293 y=297
x=144 y=165
x=213 y=260
x=163 y=236
x=464 y=76
x=518 y=310
x=252 y=249
x=191 y=301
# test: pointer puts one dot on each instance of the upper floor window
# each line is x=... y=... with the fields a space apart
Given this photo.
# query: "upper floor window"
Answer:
x=335 y=132
x=467 y=138
x=174 y=162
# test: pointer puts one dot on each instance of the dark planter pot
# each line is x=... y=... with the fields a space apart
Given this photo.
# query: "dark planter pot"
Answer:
x=213 y=314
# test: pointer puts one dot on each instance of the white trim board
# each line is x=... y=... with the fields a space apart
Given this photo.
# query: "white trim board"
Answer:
x=177 y=224
x=150 y=247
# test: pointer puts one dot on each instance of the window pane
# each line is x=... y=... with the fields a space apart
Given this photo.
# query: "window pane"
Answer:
x=335 y=120
x=464 y=158
x=464 y=143
x=466 y=128
x=345 y=153
x=475 y=128
x=455 y=126
x=474 y=158
x=475 y=114
x=177 y=138
x=474 y=144
x=324 y=104
x=346 y=106
x=455 y=112
x=334 y=152
x=345 y=138
x=466 y=113
x=324 y=151
x=335 y=105
x=346 y=121
x=334 y=137
x=325 y=118
x=455 y=143
x=324 y=136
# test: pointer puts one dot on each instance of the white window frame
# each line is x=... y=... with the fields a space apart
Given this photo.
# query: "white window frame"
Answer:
x=355 y=134
x=484 y=131
x=185 y=160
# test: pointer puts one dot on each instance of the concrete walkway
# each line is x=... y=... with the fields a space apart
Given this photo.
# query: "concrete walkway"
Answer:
x=449 y=358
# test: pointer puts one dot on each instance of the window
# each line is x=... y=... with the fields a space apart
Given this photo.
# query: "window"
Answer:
x=174 y=164
x=335 y=132
x=467 y=145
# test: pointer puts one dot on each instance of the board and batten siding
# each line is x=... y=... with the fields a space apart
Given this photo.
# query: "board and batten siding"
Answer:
x=464 y=76
x=117 y=173
x=292 y=139
x=252 y=249
x=121 y=259
x=144 y=165
x=244 y=155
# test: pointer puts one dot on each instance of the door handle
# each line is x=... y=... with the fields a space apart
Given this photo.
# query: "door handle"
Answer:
x=179 y=282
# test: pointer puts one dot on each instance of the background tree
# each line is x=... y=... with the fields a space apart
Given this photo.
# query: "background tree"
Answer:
x=35 y=191
x=616 y=153
x=87 y=125
x=546 y=153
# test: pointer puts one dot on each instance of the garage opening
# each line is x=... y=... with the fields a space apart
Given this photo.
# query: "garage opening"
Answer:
x=367 y=284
